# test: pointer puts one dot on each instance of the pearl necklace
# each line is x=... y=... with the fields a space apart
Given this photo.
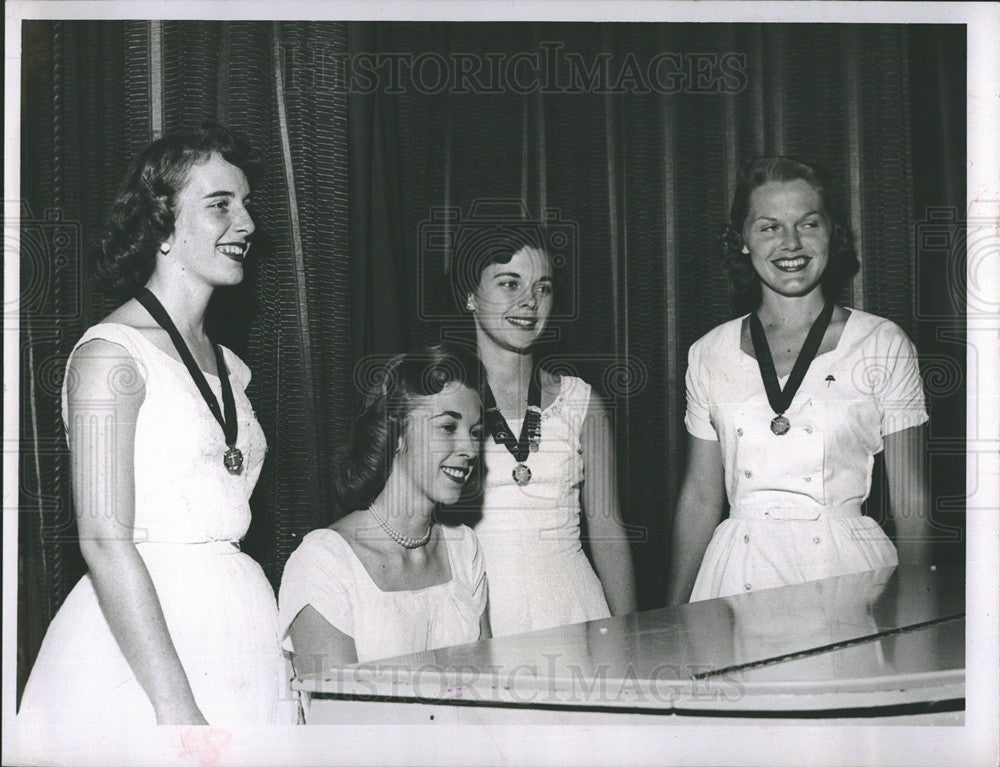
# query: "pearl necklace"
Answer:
x=406 y=541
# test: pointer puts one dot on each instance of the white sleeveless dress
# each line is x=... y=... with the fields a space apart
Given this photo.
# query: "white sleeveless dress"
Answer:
x=539 y=576
x=190 y=515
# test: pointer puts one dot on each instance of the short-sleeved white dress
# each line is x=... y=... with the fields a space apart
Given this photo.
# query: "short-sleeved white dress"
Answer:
x=795 y=499
x=325 y=573
x=190 y=514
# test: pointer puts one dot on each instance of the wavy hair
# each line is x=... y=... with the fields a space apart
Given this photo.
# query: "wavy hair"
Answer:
x=142 y=214
x=479 y=247
x=365 y=465
x=843 y=263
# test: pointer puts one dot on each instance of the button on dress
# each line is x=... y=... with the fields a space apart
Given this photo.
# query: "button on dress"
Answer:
x=795 y=499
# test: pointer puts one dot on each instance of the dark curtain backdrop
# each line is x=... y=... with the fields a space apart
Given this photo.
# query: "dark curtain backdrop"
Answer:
x=361 y=190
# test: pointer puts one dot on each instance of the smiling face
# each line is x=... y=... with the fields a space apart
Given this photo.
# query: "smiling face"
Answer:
x=212 y=227
x=514 y=300
x=440 y=443
x=787 y=234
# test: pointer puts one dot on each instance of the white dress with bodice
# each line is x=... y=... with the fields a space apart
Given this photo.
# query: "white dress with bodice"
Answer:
x=326 y=574
x=190 y=514
x=538 y=573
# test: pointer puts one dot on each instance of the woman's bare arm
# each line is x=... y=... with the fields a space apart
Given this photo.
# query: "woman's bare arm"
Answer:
x=608 y=544
x=317 y=645
x=906 y=468
x=103 y=407
x=699 y=510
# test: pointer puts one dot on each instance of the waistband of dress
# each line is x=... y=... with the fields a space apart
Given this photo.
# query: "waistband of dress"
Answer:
x=806 y=513
x=189 y=547
x=527 y=543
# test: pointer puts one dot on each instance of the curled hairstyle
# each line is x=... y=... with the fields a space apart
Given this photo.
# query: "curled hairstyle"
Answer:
x=843 y=261
x=142 y=214
x=391 y=397
x=476 y=248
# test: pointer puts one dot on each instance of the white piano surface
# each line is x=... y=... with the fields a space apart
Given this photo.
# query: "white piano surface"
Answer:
x=886 y=645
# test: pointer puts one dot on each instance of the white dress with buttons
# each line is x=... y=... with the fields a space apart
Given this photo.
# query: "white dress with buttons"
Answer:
x=795 y=499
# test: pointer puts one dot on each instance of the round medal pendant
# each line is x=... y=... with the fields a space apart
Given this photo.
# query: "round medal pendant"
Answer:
x=522 y=474
x=780 y=425
x=233 y=460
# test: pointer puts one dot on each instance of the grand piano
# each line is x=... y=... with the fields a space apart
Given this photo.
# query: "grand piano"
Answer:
x=885 y=646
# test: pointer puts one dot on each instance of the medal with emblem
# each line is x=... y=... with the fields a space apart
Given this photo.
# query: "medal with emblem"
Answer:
x=780 y=425
x=781 y=399
x=530 y=437
x=522 y=474
x=233 y=460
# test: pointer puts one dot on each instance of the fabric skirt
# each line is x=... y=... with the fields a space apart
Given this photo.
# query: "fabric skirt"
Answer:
x=534 y=591
x=222 y=618
x=766 y=548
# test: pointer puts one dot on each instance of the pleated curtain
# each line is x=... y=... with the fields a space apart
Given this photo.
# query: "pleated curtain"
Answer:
x=356 y=186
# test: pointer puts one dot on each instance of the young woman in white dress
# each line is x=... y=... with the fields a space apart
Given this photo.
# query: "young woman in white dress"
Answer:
x=548 y=450
x=385 y=579
x=788 y=406
x=172 y=624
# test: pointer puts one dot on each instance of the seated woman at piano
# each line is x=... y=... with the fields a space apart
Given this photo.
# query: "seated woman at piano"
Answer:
x=385 y=579
x=787 y=407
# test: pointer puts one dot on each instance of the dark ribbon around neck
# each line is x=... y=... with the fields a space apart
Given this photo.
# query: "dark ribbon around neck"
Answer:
x=779 y=398
x=531 y=429
x=227 y=417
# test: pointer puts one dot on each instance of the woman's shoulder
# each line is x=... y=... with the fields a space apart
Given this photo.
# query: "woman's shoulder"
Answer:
x=873 y=327
x=323 y=539
x=723 y=339
x=463 y=546
x=132 y=318
x=126 y=326
x=723 y=331
x=869 y=320
x=113 y=344
x=459 y=536
x=323 y=552
x=565 y=387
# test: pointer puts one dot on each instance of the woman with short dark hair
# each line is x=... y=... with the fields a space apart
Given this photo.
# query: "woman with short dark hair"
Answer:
x=788 y=405
x=386 y=579
x=172 y=624
x=550 y=454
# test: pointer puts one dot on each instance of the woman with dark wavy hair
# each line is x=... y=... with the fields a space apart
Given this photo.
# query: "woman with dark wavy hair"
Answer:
x=788 y=405
x=386 y=579
x=550 y=455
x=172 y=624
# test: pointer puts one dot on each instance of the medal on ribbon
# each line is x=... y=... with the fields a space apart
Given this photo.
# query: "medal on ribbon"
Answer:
x=232 y=458
x=531 y=430
x=781 y=398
